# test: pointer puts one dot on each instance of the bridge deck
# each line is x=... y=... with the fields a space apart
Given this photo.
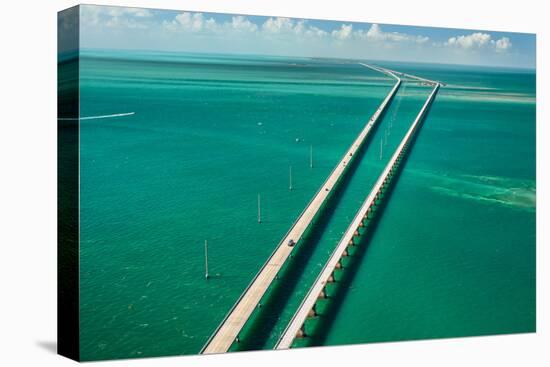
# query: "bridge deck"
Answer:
x=234 y=321
x=305 y=310
x=410 y=76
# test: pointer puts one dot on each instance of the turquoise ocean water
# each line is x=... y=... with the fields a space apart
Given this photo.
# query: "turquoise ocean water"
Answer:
x=452 y=255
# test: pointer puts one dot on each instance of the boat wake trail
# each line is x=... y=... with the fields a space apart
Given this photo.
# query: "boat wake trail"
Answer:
x=97 y=117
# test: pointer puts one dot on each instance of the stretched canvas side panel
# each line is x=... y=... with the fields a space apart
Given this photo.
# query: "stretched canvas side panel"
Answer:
x=68 y=183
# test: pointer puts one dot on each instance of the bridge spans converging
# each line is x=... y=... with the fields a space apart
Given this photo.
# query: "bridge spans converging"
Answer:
x=228 y=331
x=296 y=327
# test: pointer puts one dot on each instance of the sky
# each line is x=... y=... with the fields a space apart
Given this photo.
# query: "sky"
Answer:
x=167 y=30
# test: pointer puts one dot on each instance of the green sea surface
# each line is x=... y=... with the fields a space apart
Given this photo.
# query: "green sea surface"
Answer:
x=453 y=253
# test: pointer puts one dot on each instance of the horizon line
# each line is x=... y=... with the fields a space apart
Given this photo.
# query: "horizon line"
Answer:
x=534 y=68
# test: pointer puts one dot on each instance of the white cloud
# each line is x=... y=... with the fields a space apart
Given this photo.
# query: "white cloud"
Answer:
x=211 y=25
x=278 y=25
x=90 y=15
x=125 y=22
x=191 y=31
x=242 y=24
x=315 y=32
x=474 y=40
x=376 y=34
x=345 y=32
x=134 y=12
x=289 y=27
x=196 y=23
x=193 y=22
x=115 y=17
x=271 y=28
x=503 y=44
x=479 y=41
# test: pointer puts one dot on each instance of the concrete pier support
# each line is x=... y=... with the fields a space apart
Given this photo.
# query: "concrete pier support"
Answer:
x=301 y=332
x=313 y=311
